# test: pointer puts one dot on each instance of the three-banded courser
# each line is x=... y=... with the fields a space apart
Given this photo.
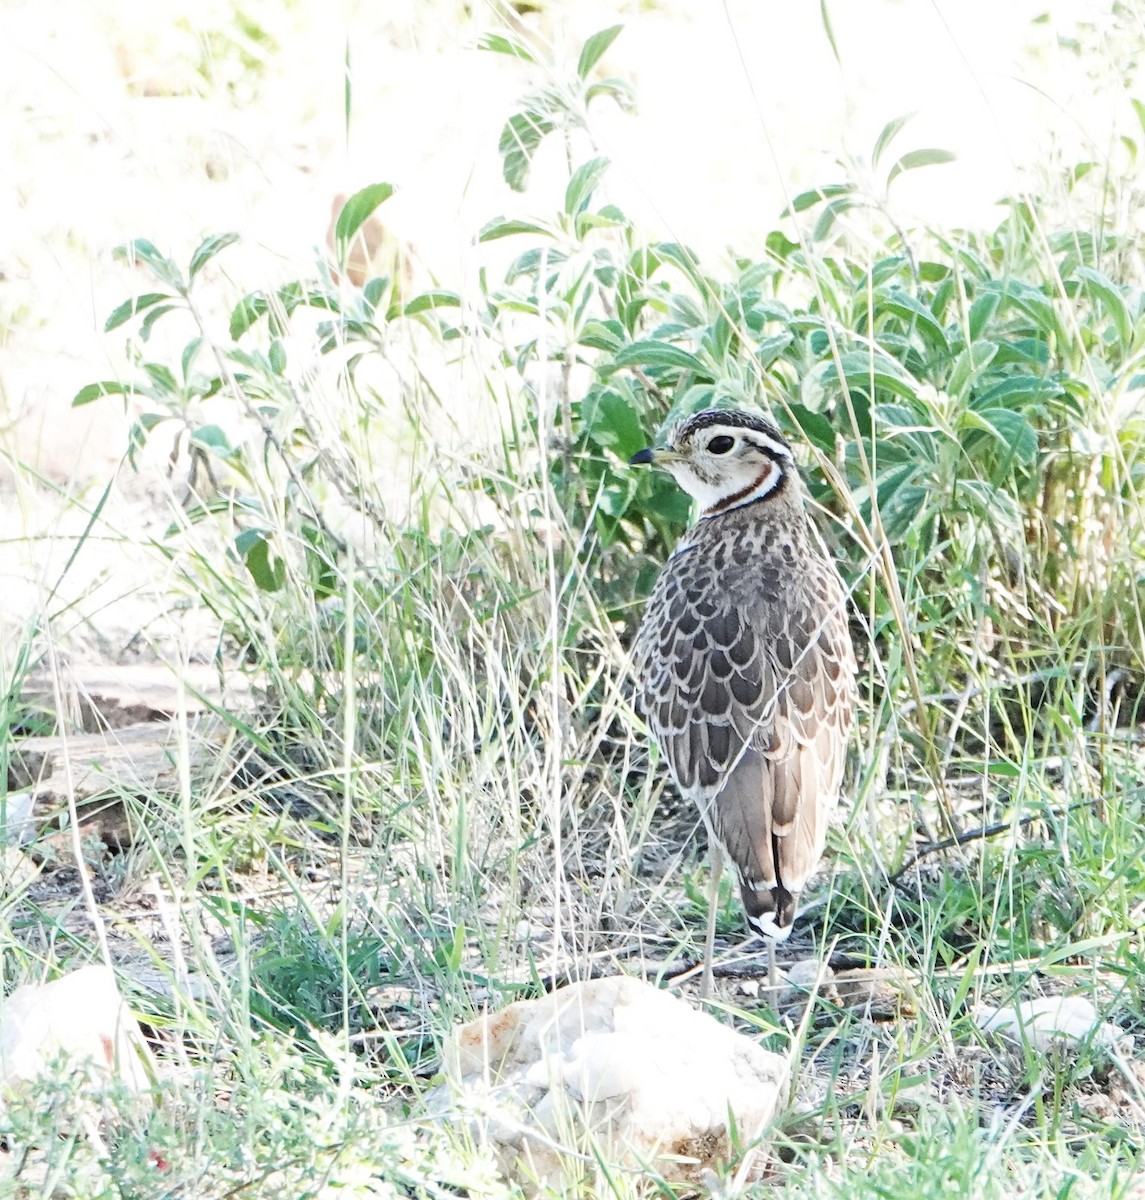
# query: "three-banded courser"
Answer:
x=745 y=666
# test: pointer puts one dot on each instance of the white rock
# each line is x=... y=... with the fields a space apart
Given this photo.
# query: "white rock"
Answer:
x=18 y=826
x=614 y=1066
x=80 y=1017
x=1053 y=1021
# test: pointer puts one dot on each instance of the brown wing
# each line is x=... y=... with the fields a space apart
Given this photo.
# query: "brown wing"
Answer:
x=751 y=704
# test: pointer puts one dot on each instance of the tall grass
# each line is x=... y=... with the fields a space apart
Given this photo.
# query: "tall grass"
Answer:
x=445 y=798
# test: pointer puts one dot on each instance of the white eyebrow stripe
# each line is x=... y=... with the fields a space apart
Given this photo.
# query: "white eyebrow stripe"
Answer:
x=762 y=442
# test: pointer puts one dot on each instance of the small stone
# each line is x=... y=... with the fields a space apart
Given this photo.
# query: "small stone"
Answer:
x=17 y=870
x=804 y=979
x=881 y=995
x=525 y=932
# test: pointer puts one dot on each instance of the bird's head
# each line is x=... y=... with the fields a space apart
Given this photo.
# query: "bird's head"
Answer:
x=724 y=459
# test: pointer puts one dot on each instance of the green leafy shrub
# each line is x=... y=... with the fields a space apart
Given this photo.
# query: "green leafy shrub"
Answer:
x=966 y=404
x=450 y=711
x=960 y=403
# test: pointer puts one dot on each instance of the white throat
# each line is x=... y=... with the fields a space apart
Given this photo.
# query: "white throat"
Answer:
x=714 y=500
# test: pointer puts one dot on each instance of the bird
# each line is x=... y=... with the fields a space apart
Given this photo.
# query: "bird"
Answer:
x=744 y=664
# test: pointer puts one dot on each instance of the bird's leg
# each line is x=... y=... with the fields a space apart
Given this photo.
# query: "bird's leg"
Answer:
x=713 y=905
x=772 y=971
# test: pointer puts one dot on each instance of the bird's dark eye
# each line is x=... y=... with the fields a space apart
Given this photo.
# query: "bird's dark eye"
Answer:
x=721 y=444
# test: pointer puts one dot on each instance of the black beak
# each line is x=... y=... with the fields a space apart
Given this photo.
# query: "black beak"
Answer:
x=642 y=456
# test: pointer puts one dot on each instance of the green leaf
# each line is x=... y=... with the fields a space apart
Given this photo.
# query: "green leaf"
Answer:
x=969 y=420
x=208 y=248
x=1014 y=434
x=969 y=365
x=347 y=91
x=930 y=271
x=531 y=262
x=863 y=369
x=830 y=213
x=1108 y=295
x=1131 y=146
x=149 y=421
x=887 y=268
x=499 y=43
x=806 y=200
x=1078 y=172
x=594 y=48
x=142 y=251
x=293 y=296
x=194 y=513
x=1034 y=303
x=427 y=301
x=95 y=391
x=815 y=427
x=501 y=227
x=913 y=159
x=129 y=308
x=981 y=313
x=583 y=183
x=900 y=500
x=910 y=310
x=770 y=348
x=902 y=508
x=187 y=358
x=969 y=978
x=162 y=378
x=780 y=245
x=522 y=134
x=268 y=572
x=685 y=259
x=612 y=423
x=900 y=422
x=608 y=217
x=321 y=570
x=666 y=498
x=153 y=315
x=619 y=89
x=659 y=355
x=212 y=438
x=616 y=497
x=829 y=31
x=1018 y=392
x=602 y=335
x=890 y=131
x=354 y=212
x=1031 y=353
x=374 y=289
x=249 y=309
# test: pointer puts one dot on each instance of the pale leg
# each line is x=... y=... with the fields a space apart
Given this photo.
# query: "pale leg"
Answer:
x=772 y=971
x=710 y=938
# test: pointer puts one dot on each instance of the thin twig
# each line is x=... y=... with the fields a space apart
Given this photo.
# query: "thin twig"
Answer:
x=987 y=831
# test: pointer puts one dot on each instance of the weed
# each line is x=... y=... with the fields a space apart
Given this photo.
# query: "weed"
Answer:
x=445 y=796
